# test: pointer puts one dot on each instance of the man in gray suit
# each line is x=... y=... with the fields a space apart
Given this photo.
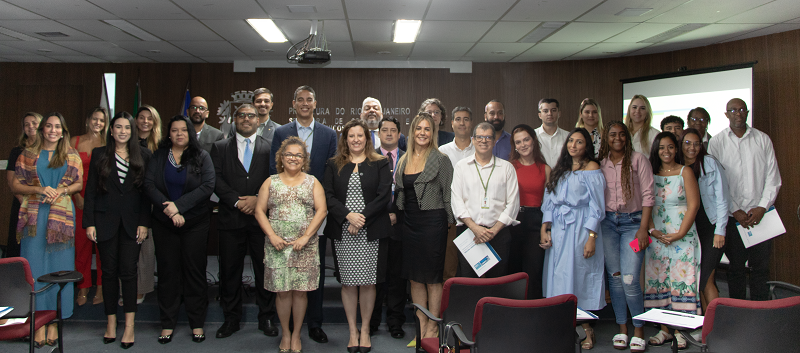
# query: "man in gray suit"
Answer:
x=206 y=134
x=263 y=100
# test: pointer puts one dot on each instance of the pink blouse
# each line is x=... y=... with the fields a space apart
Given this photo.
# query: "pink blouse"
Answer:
x=642 y=179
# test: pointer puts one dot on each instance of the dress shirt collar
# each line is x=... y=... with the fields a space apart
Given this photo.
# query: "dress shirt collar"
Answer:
x=300 y=126
x=240 y=139
x=394 y=152
x=472 y=159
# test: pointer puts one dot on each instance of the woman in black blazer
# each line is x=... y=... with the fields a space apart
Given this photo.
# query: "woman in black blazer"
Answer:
x=179 y=182
x=116 y=216
x=358 y=187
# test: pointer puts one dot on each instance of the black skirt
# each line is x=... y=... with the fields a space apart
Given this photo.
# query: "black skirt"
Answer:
x=424 y=239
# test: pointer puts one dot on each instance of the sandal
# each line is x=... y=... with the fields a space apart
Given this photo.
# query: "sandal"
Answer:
x=620 y=341
x=81 y=300
x=588 y=343
x=681 y=341
x=638 y=344
x=660 y=338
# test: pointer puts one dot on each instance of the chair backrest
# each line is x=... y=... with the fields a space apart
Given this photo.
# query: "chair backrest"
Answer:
x=734 y=325
x=539 y=325
x=778 y=290
x=460 y=295
x=16 y=285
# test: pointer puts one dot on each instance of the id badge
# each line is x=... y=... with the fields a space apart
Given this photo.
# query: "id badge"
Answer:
x=485 y=203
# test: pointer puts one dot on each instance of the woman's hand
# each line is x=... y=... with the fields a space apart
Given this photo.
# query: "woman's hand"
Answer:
x=170 y=209
x=141 y=234
x=719 y=241
x=353 y=229
x=178 y=220
x=78 y=200
x=643 y=238
x=300 y=243
x=277 y=242
x=672 y=237
x=546 y=241
x=49 y=193
x=589 y=247
x=91 y=233
x=356 y=219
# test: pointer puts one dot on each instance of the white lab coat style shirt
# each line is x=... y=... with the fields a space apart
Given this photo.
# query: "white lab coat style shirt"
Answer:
x=750 y=167
x=637 y=143
x=456 y=154
x=502 y=192
x=551 y=145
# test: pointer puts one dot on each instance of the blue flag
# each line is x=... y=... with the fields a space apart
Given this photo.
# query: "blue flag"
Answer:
x=187 y=99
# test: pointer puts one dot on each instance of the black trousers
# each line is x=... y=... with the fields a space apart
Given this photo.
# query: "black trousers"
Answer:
x=234 y=245
x=314 y=310
x=119 y=259
x=526 y=255
x=181 y=259
x=502 y=246
x=393 y=290
x=12 y=247
x=758 y=257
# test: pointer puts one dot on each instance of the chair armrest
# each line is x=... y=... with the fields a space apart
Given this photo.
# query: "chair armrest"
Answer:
x=687 y=335
x=73 y=276
x=581 y=333
x=454 y=329
x=427 y=313
x=43 y=289
x=781 y=285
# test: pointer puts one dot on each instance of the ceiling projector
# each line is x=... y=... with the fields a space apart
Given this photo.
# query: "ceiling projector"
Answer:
x=312 y=50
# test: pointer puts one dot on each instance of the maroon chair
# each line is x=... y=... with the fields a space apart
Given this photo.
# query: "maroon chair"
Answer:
x=508 y=326
x=459 y=298
x=735 y=325
x=17 y=291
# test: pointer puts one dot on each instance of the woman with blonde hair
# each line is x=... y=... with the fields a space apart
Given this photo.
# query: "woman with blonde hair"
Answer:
x=30 y=121
x=639 y=122
x=423 y=192
x=590 y=117
x=95 y=136
x=148 y=125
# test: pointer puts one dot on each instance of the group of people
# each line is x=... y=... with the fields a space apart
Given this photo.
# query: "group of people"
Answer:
x=621 y=204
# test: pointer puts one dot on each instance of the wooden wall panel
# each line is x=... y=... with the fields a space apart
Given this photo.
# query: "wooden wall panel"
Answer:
x=776 y=81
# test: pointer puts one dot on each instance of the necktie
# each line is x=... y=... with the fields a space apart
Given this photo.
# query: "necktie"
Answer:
x=248 y=155
x=373 y=140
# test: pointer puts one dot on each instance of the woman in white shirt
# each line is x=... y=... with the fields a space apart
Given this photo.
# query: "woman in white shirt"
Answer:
x=639 y=121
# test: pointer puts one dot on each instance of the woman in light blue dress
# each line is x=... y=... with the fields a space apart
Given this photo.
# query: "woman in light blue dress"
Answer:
x=47 y=173
x=574 y=205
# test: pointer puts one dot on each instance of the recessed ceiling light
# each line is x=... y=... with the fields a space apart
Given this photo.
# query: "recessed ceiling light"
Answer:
x=267 y=29
x=499 y=52
x=131 y=29
x=542 y=32
x=384 y=52
x=44 y=50
x=154 y=51
x=267 y=50
x=405 y=31
x=629 y=12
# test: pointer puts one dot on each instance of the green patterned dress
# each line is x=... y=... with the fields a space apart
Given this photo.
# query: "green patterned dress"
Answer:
x=672 y=271
x=291 y=209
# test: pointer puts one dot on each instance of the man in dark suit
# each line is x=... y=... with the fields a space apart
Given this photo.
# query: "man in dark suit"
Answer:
x=239 y=175
x=372 y=114
x=394 y=289
x=321 y=143
x=438 y=112
x=206 y=134
x=263 y=100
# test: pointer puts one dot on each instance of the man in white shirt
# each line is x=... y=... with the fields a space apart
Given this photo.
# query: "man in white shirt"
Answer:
x=752 y=171
x=550 y=136
x=372 y=114
x=485 y=199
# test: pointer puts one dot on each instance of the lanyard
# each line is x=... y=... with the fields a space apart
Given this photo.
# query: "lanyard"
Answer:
x=486 y=185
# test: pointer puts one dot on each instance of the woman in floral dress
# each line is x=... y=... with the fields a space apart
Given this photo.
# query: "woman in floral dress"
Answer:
x=297 y=207
x=672 y=262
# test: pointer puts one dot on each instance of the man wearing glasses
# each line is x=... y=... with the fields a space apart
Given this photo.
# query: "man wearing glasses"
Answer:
x=550 y=136
x=436 y=109
x=698 y=119
x=754 y=179
x=485 y=199
x=206 y=134
x=241 y=167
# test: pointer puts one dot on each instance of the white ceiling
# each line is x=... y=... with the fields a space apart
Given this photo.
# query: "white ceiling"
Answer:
x=452 y=30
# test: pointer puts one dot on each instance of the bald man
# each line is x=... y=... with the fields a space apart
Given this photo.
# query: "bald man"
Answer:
x=206 y=134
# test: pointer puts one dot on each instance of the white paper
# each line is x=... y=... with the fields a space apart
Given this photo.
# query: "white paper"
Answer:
x=584 y=315
x=671 y=318
x=770 y=226
x=5 y=310
x=481 y=257
x=14 y=321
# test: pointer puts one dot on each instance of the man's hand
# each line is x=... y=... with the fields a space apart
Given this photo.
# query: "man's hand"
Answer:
x=247 y=204
x=755 y=215
x=393 y=218
x=741 y=217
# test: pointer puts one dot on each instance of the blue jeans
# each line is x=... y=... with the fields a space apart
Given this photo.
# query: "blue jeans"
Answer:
x=619 y=229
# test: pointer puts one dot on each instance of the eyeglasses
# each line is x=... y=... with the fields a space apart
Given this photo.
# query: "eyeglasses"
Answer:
x=434 y=112
x=198 y=108
x=288 y=155
x=698 y=120
x=246 y=115
x=740 y=111
x=483 y=137
x=691 y=144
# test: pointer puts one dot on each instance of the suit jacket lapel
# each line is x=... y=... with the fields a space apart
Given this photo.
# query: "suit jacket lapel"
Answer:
x=233 y=152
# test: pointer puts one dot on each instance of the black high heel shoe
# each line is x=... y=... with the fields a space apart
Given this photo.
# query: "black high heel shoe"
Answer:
x=198 y=337
x=107 y=340
x=164 y=339
x=126 y=345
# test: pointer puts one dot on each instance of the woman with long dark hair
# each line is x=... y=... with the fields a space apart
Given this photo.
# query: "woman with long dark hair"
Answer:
x=673 y=260
x=179 y=181
x=30 y=121
x=532 y=175
x=96 y=126
x=117 y=217
x=712 y=215
x=629 y=200
x=358 y=186
x=47 y=173
x=574 y=206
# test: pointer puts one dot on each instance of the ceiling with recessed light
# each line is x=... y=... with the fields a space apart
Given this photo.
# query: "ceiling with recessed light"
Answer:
x=215 y=31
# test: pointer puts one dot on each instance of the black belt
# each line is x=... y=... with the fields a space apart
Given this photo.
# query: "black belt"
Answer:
x=528 y=208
